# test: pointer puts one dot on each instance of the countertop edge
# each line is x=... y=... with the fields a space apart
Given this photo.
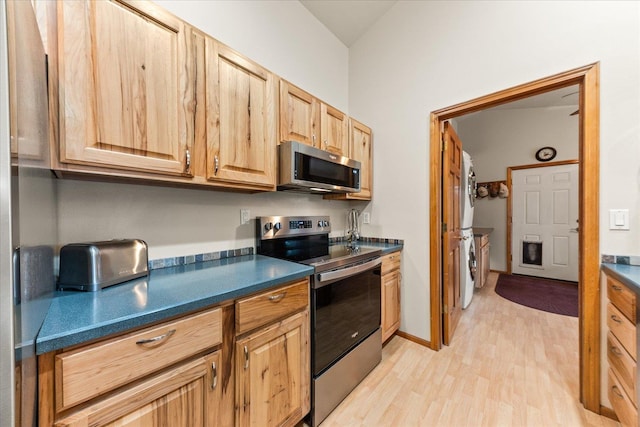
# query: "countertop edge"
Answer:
x=124 y=324
x=618 y=272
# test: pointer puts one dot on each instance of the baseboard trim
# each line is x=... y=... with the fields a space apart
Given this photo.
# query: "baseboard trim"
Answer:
x=414 y=339
x=498 y=271
x=609 y=413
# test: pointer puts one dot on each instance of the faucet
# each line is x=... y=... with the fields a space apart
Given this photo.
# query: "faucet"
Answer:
x=354 y=230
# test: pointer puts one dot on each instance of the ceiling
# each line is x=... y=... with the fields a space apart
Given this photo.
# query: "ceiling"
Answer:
x=348 y=19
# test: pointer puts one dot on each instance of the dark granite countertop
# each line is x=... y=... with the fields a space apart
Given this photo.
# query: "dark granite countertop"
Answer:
x=77 y=317
x=627 y=274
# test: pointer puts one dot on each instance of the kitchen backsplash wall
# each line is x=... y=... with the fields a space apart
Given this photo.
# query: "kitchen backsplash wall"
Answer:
x=178 y=221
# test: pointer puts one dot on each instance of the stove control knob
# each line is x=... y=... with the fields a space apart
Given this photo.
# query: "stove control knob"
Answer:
x=325 y=223
x=277 y=226
x=320 y=224
x=268 y=226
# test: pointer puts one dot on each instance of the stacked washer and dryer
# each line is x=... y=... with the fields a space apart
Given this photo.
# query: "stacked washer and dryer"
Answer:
x=468 y=263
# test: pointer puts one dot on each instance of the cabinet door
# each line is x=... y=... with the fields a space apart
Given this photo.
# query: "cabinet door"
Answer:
x=334 y=126
x=241 y=119
x=187 y=396
x=390 y=304
x=273 y=373
x=127 y=95
x=299 y=115
x=362 y=151
x=484 y=264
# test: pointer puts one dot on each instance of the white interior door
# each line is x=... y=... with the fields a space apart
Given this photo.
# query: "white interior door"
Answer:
x=544 y=239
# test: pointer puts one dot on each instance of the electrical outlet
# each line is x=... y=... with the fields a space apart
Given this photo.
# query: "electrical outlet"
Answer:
x=366 y=218
x=244 y=216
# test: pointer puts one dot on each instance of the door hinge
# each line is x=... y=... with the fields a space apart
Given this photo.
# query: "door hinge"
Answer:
x=443 y=146
x=445 y=309
x=444 y=227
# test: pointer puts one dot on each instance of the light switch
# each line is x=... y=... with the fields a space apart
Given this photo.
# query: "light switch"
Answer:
x=618 y=219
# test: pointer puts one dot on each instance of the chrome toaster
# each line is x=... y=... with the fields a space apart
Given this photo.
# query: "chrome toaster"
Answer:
x=96 y=265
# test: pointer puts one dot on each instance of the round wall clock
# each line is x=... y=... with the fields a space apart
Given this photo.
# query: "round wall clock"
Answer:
x=546 y=154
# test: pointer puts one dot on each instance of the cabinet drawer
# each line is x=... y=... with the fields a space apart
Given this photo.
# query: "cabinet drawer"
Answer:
x=623 y=365
x=391 y=262
x=261 y=309
x=622 y=297
x=483 y=240
x=626 y=412
x=622 y=328
x=86 y=372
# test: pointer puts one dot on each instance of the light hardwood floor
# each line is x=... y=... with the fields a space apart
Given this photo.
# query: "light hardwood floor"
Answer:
x=508 y=365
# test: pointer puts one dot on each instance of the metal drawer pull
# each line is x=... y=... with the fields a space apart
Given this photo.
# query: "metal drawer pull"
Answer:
x=187 y=162
x=616 y=288
x=246 y=357
x=615 y=318
x=216 y=164
x=156 y=339
x=278 y=297
x=214 y=374
x=617 y=391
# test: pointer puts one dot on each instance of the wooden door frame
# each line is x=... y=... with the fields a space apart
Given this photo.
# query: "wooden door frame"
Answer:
x=588 y=79
x=510 y=169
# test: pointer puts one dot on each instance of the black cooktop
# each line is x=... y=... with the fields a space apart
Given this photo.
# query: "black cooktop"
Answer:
x=305 y=239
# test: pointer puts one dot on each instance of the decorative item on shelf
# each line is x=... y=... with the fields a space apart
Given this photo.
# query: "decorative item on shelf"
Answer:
x=492 y=189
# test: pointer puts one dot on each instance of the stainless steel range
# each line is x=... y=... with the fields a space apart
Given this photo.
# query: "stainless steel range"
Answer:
x=346 y=342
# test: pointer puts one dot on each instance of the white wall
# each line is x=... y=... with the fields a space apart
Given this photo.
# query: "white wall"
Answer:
x=423 y=56
x=280 y=35
x=498 y=139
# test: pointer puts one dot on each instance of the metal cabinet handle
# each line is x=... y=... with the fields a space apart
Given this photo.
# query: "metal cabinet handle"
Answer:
x=214 y=375
x=325 y=143
x=616 y=390
x=216 y=164
x=313 y=138
x=615 y=318
x=278 y=297
x=616 y=288
x=156 y=339
x=187 y=167
x=246 y=357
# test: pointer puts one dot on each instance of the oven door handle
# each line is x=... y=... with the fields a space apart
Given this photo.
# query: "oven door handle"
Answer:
x=349 y=271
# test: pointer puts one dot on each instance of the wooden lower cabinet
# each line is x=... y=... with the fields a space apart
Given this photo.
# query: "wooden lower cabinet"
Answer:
x=243 y=362
x=482 y=259
x=186 y=396
x=390 y=301
x=622 y=350
x=273 y=374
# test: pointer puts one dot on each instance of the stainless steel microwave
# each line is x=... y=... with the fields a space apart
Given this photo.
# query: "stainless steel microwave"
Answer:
x=308 y=169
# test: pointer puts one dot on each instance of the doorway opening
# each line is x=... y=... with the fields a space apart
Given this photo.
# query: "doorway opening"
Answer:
x=587 y=79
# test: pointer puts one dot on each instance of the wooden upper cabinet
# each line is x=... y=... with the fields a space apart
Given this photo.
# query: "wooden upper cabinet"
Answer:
x=299 y=115
x=362 y=150
x=126 y=87
x=334 y=126
x=305 y=119
x=241 y=119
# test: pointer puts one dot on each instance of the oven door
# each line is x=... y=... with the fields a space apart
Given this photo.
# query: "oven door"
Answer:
x=345 y=311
